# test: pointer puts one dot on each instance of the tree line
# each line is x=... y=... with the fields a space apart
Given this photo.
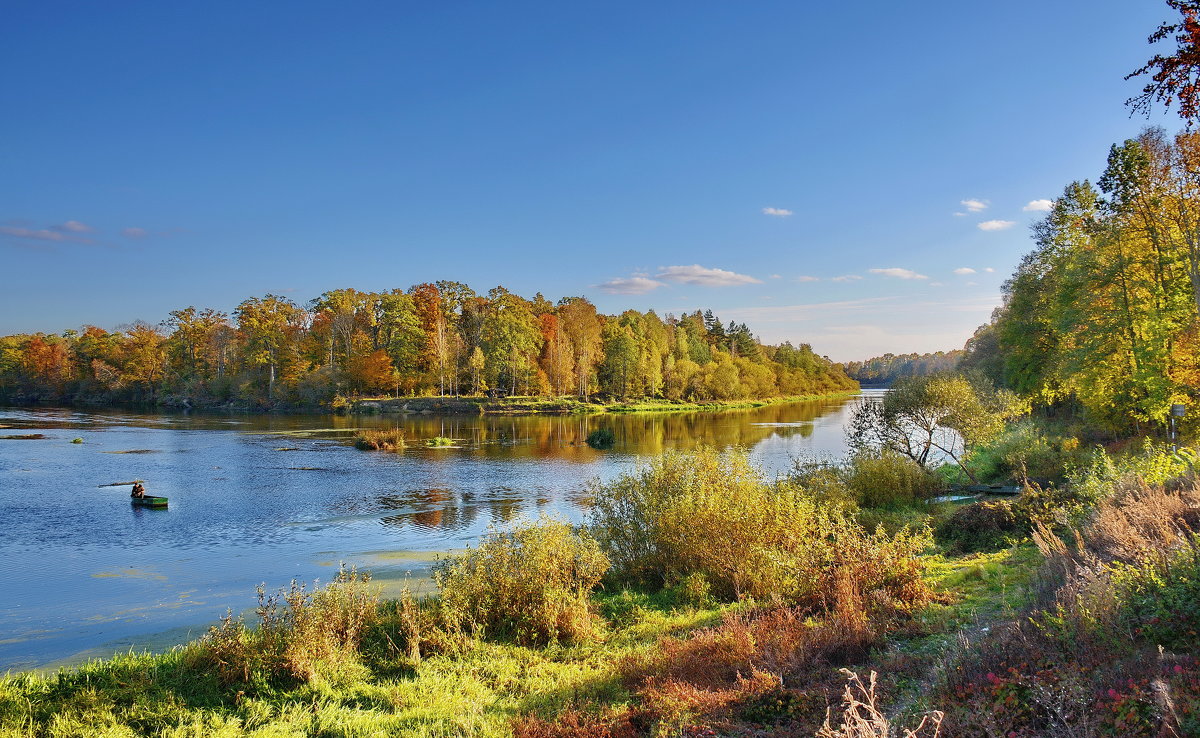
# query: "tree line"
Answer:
x=890 y=367
x=433 y=339
x=1102 y=314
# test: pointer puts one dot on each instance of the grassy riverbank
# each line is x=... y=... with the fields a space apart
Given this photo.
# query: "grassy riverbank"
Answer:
x=703 y=600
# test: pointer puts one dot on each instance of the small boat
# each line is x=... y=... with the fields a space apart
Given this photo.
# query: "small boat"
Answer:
x=148 y=501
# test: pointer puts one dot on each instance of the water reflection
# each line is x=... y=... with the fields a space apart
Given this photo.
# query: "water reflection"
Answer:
x=267 y=498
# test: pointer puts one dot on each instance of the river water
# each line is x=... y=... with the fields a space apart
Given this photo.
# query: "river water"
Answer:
x=265 y=499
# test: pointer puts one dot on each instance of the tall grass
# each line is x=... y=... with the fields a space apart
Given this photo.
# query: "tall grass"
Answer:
x=1108 y=645
x=712 y=514
x=531 y=584
x=382 y=439
x=302 y=634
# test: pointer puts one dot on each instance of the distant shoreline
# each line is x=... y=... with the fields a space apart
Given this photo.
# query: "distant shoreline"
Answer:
x=559 y=406
x=446 y=406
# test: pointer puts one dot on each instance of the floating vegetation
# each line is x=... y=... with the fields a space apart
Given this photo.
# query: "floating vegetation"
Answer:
x=601 y=438
x=288 y=448
x=387 y=439
x=77 y=440
x=23 y=437
x=135 y=451
x=440 y=442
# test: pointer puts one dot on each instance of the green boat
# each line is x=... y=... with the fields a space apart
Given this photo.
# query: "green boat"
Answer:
x=149 y=501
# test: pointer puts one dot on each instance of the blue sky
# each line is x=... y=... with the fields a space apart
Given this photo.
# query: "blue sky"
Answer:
x=824 y=174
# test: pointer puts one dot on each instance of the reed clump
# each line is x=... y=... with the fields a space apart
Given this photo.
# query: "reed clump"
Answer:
x=384 y=439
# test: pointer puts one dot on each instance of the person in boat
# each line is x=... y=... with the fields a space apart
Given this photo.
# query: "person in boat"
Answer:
x=138 y=490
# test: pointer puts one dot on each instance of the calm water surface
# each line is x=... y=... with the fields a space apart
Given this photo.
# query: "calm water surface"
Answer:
x=265 y=499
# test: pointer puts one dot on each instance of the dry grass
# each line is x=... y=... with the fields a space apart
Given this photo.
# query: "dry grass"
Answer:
x=1140 y=521
x=384 y=439
x=1107 y=646
x=861 y=717
x=302 y=633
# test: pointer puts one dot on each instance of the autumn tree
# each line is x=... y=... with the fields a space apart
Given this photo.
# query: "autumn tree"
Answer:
x=582 y=328
x=511 y=340
x=270 y=327
x=194 y=343
x=1174 y=77
x=931 y=419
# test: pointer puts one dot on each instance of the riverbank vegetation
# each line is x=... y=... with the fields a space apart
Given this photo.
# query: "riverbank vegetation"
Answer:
x=703 y=599
x=380 y=439
x=438 y=339
x=1100 y=319
x=885 y=369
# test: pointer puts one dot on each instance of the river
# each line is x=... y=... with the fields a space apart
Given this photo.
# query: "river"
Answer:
x=265 y=499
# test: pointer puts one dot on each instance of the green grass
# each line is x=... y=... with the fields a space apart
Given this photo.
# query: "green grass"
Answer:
x=475 y=692
x=984 y=585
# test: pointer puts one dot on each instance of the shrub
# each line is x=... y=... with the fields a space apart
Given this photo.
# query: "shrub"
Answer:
x=825 y=481
x=1157 y=598
x=408 y=629
x=887 y=479
x=385 y=439
x=530 y=584
x=1155 y=464
x=712 y=513
x=601 y=438
x=303 y=634
x=1026 y=449
x=1105 y=647
x=871 y=478
x=983 y=526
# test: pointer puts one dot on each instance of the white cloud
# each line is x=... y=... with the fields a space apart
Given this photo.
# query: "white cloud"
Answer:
x=60 y=233
x=964 y=270
x=776 y=276
x=74 y=226
x=807 y=278
x=704 y=276
x=39 y=235
x=845 y=278
x=135 y=232
x=777 y=212
x=1038 y=206
x=975 y=206
x=898 y=273
x=630 y=286
x=996 y=225
x=989 y=270
x=936 y=284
